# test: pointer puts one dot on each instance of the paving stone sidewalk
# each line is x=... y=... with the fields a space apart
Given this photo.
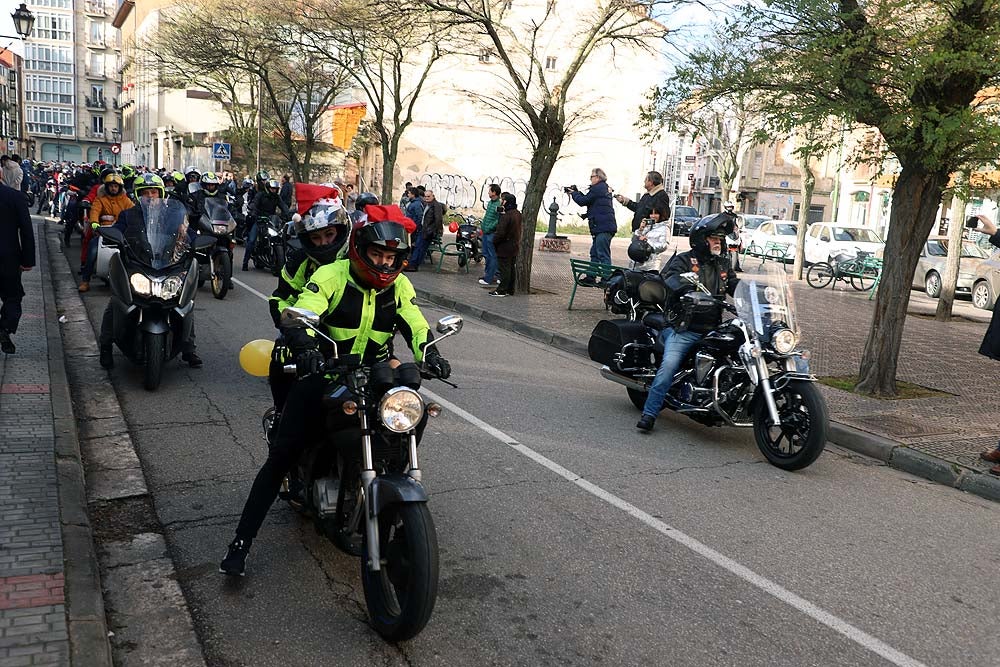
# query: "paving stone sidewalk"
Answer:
x=939 y=438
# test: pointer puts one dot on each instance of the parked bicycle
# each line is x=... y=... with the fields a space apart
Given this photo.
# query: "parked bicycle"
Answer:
x=861 y=270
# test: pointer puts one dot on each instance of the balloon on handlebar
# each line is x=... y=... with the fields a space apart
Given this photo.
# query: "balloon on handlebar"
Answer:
x=255 y=357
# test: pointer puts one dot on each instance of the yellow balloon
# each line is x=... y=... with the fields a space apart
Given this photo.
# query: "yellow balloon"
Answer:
x=255 y=357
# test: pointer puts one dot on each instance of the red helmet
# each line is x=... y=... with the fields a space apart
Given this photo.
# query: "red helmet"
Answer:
x=389 y=235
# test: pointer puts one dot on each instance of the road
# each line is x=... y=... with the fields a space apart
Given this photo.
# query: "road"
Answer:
x=565 y=536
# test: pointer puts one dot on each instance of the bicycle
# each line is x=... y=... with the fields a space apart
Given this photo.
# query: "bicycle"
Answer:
x=861 y=271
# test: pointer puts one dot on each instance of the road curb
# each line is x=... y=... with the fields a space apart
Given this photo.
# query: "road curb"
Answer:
x=894 y=454
x=85 y=618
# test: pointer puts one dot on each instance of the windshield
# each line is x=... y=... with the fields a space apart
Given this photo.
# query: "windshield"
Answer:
x=166 y=231
x=855 y=235
x=939 y=248
x=766 y=300
x=217 y=209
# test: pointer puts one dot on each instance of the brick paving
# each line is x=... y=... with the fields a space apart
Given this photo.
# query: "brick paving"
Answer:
x=32 y=602
x=834 y=326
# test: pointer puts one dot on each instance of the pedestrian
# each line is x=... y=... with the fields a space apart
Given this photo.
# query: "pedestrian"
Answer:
x=404 y=201
x=655 y=197
x=415 y=210
x=287 y=190
x=17 y=255
x=507 y=243
x=431 y=227
x=600 y=218
x=491 y=218
x=990 y=346
x=733 y=241
x=12 y=174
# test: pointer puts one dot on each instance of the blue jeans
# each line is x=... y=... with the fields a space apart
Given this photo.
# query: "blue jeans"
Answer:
x=675 y=348
x=490 y=259
x=600 y=249
x=250 y=242
x=88 y=267
x=417 y=258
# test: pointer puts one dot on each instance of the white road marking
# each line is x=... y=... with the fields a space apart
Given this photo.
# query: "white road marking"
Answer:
x=835 y=623
x=250 y=289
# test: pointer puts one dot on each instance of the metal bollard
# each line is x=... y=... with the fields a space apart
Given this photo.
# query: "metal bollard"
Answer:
x=553 y=214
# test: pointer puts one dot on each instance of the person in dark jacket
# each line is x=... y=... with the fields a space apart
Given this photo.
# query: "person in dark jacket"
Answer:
x=507 y=242
x=708 y=259
x=990 y=346
x=287 y=190
x=655 y=198
x=600 y=217
x=267 y=202
x=17 y=255
x=431 y=227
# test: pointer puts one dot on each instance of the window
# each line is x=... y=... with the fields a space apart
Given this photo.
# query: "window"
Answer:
x=95 y=32
x=50 y=89
x=48 y=58
x=53 y=26
x=55 y=4
x=485 y=55
x=46 y=120
x=826 y=235
x=856 y=235
x=97 y=92
x=550 y=62
x=97 y=124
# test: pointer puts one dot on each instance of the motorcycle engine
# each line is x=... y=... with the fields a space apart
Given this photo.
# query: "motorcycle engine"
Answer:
x=325 y=491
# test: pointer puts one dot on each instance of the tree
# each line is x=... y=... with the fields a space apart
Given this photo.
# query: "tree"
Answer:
x=533 y=101
x=386 y=52
x=910 y=68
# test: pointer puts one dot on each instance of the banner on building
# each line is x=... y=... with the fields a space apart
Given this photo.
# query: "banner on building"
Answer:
x=346 y=119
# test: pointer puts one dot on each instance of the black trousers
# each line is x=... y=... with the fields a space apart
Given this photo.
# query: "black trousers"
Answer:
x=11 y=293
x=508 y=277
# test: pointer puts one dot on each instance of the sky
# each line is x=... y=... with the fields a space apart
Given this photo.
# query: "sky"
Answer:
x=7 y=7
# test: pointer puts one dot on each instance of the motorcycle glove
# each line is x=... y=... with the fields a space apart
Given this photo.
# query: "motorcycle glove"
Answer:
x=308 y=362
x=435 y=365
x=94 y=225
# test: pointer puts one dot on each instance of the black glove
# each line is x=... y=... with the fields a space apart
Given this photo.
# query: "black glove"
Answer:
x=435 y=365
x=308 y=362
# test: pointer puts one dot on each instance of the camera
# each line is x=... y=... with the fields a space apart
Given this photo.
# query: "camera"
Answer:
x=569 y=189
x=972 y=222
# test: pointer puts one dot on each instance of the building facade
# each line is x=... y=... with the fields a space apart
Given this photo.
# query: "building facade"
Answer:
x=12 y=137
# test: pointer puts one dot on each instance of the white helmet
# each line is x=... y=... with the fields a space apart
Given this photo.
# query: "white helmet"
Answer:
x=729 y=204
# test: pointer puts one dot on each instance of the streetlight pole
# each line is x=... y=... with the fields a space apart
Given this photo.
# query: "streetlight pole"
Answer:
x=114 y=139
x=58 y=146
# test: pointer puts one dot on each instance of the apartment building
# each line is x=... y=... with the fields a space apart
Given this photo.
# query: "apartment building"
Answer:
x=12 y=137
x=72 y=74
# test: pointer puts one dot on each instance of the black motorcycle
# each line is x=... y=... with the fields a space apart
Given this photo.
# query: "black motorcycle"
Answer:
x=217 y=265
x=362 y=483
x=153 y=285
x=69 y=217
x=748 y=372
x=269 y=251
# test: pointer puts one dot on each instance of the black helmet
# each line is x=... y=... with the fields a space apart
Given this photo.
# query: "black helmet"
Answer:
x=718 y=225
x=364 y=199
x=317 y=219
x=639 y=251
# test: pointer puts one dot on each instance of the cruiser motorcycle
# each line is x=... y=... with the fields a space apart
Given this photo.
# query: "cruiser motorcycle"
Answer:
x=361 y=485
x=748 y=372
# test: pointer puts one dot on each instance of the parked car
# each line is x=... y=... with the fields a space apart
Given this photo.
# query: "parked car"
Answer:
x=930 y=266
x=825 y=240
x=986 y=284
x=684 y=219
x=781 y=232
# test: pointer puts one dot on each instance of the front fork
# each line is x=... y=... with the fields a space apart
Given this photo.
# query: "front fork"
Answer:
x=367 y=477
x=753 y=357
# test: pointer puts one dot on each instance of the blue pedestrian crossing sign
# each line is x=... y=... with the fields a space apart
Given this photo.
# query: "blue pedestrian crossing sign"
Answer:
x=221 y=151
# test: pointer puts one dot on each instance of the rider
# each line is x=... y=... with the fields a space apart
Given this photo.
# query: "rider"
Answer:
x=191 y=176
x=111 y=200
x=266 y=203
x=363 y=200
x=210 y=182
x=132 y=224
x=707 y=258
x=363 y=301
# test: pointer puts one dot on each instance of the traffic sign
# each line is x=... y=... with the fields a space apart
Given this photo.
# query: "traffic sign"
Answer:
x=221 y=151
x=116 y=148
x=11 y=145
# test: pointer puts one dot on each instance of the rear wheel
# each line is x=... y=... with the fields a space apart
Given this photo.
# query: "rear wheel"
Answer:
x=801 y=437
x=819 y=275
x=155 y=351
x=223 y=274
x=932 y=284
x=637 y=397
x=463 y=259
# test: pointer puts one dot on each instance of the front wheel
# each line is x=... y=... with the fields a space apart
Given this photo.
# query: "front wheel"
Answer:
x=155 y=350
x=819 y=275
x=223 y=274
x=801 y=437
x=463 y=260
x=637 y=397
x=401 y=594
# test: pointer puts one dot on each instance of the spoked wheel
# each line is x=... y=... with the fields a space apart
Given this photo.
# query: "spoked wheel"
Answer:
x=864 y=282
x=401 y=594
x=637 y=397
x=982 y=295
x=223 y=274
x=801 y=437
x=819 y=275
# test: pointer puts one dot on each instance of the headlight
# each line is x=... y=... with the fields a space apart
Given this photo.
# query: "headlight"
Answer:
x=783 y=341
x=271 y=231
x=220 y=229
x=401 y=409
x=171 y=287
x=140 y=284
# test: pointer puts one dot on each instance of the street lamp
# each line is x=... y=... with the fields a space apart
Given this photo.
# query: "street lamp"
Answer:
x=114 y=139
x=24 y=21
x=58 y=146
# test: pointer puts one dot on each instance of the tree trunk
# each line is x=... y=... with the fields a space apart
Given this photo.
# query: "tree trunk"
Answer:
x=808 y=185
x=949 y=281
x=915 y=203
x=543 y=160
x=390 y=150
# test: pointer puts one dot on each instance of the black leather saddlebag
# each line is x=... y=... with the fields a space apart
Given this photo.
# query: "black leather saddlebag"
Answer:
x=609 y=336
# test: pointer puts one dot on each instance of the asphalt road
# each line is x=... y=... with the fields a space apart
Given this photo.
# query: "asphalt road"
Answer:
x=565 y=536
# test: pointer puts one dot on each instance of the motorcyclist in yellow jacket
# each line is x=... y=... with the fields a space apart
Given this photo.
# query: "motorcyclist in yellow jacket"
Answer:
x=362 y=302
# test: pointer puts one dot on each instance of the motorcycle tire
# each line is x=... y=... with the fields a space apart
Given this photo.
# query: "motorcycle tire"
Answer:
x=463 y=260
x=223 y=274
x=800 y=439
x=819 y=275
x=277 y=260
x=637 y=397
x=400 y=596
x=155 y=355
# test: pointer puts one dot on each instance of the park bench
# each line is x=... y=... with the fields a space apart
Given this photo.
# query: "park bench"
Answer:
x=444 y=250
x=582 y=268
x=772 y=250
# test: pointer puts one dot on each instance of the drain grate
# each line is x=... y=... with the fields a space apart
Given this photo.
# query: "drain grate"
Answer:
x=899 y=427
x=963 y=452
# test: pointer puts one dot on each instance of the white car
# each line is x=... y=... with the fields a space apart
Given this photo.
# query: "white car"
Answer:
x=825 y=240
x=779 y=232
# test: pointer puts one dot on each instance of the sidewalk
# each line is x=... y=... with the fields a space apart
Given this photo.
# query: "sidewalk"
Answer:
x=938 y=438
x=47 y=593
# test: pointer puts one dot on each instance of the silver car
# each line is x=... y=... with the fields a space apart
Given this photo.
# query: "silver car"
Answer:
x=986 y=284
x=931 y=265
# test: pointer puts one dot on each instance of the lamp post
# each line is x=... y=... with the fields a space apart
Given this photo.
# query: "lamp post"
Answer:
x=114 y=138
x=58 y=146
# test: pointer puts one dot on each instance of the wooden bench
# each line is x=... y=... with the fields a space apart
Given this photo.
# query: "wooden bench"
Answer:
x=583 y=269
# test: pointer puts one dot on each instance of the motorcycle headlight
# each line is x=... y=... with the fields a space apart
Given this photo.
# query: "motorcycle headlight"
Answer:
x=220 y=229
x=171 y=287
x=401 y=409
x=783 y=341
x=140 y=284
x=271 y=231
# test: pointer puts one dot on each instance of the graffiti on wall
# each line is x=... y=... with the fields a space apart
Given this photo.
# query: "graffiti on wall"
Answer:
x=460 y=192
x=452 y=190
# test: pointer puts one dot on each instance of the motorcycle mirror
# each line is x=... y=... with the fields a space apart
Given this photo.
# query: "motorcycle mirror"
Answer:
x=298 y=318
x=450 y=324
x=111 y=234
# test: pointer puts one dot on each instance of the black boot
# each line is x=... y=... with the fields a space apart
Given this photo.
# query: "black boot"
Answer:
x=192 y=359
x=6 y=344
x=645 y=423
x=235 y=562
x=107 y=358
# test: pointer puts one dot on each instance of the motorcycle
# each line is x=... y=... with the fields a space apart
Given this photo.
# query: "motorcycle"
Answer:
x=71 y=223
x=362 y=483
x=269 y=250
x=152 y=287
x=748 y=372
x=217 y=267
x=469 y=241
x=47 y=197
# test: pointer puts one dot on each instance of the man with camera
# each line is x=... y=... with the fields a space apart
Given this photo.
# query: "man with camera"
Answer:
x=654 y=198
x=600 y=217
x=990 y=346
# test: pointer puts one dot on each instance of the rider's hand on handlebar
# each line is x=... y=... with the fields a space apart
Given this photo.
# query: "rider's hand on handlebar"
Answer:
x=435 y=365
x=308 y=362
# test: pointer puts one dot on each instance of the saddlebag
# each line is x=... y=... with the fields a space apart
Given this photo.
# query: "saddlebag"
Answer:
x=646 y=287
x=610 y=336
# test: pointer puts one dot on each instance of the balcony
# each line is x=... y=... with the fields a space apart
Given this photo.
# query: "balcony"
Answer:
x=95 y=8
x=92 y=72
x=94 y=134
x=96 y=102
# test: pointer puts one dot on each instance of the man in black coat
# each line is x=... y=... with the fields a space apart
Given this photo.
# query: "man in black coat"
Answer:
x=17 y=254
x=655 y=197
x=990 y=346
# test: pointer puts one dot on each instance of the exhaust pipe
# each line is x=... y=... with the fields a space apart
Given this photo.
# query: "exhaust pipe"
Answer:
x=624 y=380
